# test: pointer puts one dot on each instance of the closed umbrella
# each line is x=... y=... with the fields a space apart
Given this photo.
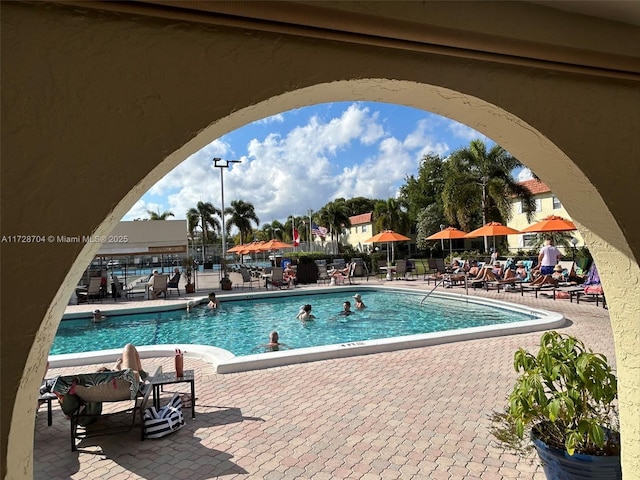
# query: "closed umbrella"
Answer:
x=448 y=233
x=552 y=223
x=492 y=229
x=387 y=236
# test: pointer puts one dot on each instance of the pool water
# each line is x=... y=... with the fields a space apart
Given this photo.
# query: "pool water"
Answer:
x=240 y=326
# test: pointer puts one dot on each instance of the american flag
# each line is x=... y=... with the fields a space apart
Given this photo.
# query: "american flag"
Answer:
x=316 y=230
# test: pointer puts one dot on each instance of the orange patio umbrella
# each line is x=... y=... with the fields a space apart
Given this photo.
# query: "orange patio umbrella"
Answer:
x=387 y=236
x=492 y=229
x=552 y=223
x=448 y=233
x=275 y=244
x=236 y=249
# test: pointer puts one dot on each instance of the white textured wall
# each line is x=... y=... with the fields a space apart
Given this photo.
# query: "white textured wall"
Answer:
x=87 y=94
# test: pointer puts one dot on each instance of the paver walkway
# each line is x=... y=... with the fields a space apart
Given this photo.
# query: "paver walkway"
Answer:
x=413 y=414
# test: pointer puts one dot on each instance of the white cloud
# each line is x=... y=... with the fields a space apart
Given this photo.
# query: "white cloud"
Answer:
x=288 y=173
x=466 y=133
x=279 y=118
x=524 y=174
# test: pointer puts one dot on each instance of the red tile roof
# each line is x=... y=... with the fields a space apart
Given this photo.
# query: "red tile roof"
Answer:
x=360 y=219
x=535 y=186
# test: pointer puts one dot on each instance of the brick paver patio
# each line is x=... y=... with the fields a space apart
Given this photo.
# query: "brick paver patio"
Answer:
x=412 y=414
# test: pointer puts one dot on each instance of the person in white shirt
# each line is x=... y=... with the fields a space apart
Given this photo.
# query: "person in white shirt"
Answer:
x=548 y=258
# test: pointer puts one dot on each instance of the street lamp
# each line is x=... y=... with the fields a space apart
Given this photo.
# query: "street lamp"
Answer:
x=574 y=242
x=222 y=164
x=442 y=239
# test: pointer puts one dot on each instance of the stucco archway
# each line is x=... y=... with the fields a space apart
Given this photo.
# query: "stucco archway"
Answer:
x=105 y=101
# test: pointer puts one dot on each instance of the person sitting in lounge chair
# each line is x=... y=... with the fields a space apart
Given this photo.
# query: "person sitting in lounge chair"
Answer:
x=521 y=271
x=289 y=275
x=489 y=274
x=543 y=280
x=339 y=274
x=173 y=281
x=557 y=274
x=497 y=270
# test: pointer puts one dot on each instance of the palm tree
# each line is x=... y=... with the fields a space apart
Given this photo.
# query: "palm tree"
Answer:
x=336 y=216
x=478 y=186
x=203 y=215
x=390 y=215
x=242 y=215
x=159 y=216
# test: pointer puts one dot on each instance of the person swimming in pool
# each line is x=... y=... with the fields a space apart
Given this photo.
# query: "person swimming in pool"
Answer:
x=213 y=301
x=359 y=303
x=346 y=309
x=305 y=313
x=98 y=316
x=274 y=343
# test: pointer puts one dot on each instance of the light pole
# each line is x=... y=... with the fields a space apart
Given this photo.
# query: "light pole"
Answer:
x=309 y=212
x=222 y=164
x=574 y=242
x=442 y=239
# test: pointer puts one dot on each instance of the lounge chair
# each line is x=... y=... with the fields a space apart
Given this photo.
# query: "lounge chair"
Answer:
x=400 y=270
x=568 y=268
x=351 y=272
x=382 y=269
x=247 y=279
x=138 y=287
x=174 y=283
x=83 y=395
x=116 y=287
x=93 y=290
x=437 y=269
x=159 y=286
x=277 y=279
x=592 y=287
x=323 y=276
x=548 y=284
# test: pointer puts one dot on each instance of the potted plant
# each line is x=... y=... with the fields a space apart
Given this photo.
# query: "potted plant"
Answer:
x=565 y=400
x=226 y=283
x=187 y=268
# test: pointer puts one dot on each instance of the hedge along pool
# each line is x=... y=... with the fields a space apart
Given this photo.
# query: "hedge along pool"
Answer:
x=241 y=325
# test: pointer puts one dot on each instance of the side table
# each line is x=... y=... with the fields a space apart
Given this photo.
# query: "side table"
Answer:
x=169 y=378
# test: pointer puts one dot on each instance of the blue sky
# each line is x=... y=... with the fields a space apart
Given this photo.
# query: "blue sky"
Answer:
x=302 y=159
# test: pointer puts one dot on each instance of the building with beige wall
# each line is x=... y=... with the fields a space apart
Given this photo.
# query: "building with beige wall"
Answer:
x=361 y=229
x=547 y=203
x=93 y=88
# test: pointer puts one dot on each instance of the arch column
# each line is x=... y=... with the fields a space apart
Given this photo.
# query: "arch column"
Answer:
x=98 y=107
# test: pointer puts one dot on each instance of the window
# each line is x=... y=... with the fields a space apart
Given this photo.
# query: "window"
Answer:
x=538 y=202
x=556 y=203
x=355 y=229
x=364 y=229
x=528 y=240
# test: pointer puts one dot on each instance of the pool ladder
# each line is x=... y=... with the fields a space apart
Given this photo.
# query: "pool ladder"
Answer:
x=441 y=282
x=431 y=291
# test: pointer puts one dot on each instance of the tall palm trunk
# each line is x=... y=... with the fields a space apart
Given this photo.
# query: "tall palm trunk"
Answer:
x=484 y=211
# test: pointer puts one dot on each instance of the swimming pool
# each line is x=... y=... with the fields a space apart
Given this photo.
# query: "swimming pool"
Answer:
x=240 y=325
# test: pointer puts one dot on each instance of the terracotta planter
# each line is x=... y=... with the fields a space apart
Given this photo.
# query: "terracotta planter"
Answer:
x=190 y=288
